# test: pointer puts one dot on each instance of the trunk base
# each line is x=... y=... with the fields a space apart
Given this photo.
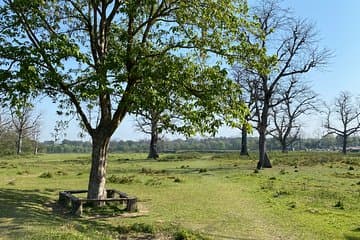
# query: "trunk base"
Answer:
x=153 y=155
x=265 y=164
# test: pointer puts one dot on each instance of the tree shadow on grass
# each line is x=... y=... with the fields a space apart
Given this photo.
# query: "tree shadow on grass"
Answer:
x=354 y=235
x=23 y=210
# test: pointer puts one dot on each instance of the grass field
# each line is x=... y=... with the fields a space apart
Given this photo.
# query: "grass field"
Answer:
x=187 y=196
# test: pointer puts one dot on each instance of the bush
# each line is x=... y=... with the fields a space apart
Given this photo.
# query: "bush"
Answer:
x=121 y=180
x=202 y=170
x=339 y=204
x=142 y=228
x=46 y=175
x=153 y=182
x=136 y=227
x=177 y=180
x=187 y=235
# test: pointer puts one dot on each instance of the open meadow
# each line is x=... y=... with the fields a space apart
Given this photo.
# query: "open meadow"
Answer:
x=306 y=195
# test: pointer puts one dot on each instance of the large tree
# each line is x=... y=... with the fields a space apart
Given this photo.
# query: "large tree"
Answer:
x=343 y=118
x=289 y=48
x=186 y=110
x=298 y=101
x=94 y=55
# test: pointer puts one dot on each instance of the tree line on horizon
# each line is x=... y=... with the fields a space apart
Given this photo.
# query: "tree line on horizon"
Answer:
x=219 y=144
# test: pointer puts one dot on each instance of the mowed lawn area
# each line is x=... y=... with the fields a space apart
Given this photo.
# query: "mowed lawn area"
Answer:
x=306 y=195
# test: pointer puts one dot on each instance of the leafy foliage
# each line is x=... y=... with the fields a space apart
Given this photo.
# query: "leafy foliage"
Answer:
x=95 y=59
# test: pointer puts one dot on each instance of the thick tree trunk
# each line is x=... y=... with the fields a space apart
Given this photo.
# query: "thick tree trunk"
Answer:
x=244 y=149
x=344 y=144
x=262 y=150
x=97 y=179
x=264 y=161
x=284 y=147
x=153 y=151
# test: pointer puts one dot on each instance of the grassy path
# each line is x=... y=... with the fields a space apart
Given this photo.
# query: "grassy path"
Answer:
x=218 y=196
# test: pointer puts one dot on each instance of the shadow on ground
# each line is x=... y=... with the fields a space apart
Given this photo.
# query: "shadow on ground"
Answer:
x=25 y=212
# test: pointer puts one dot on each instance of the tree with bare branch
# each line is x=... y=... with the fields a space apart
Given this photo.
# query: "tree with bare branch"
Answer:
x=25 y=124
x=5 y=121
x=298 y=100
x=289 y=49
x=343 y=118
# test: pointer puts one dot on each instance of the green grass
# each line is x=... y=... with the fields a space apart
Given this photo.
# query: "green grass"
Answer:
x=187 y=196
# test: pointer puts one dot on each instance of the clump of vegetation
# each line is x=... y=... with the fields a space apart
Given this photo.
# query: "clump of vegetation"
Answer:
x=291 y=205
x=347 y=175
x=153 y=182
x=339 y=204
x=123 y=229
x=46 y=175
x=268 y=185
x=190 y=155
x=188 y=235
x=202 y=170
x=177 y=180
x=11 y=182
x=142 y=228
x=121 y=180
x=136 y=227
x=151 y=171
x=23 y=172
x=61 y=173
x=280 y=193
x=107 y=210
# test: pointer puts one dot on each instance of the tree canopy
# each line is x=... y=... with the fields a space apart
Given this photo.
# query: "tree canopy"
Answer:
x=93 y=56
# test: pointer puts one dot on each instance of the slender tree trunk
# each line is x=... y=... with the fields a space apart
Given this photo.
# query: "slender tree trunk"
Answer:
x=153 y=151
x=344 y=144
x=97 y=179
x=36 y=148
x=283 y=147
x=244 y=149
x=19 y=142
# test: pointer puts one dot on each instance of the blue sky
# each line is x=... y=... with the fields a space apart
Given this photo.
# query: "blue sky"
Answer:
x=338 y=25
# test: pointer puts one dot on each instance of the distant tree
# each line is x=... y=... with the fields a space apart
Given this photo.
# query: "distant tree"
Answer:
x=245 y=80
x=82 y=53
x=343 y=118
x=289 y=48
x=35 y=136
x=25 y=123
x=148 y=123
x=165 y=110
x=5 y=121
x=298 y=100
